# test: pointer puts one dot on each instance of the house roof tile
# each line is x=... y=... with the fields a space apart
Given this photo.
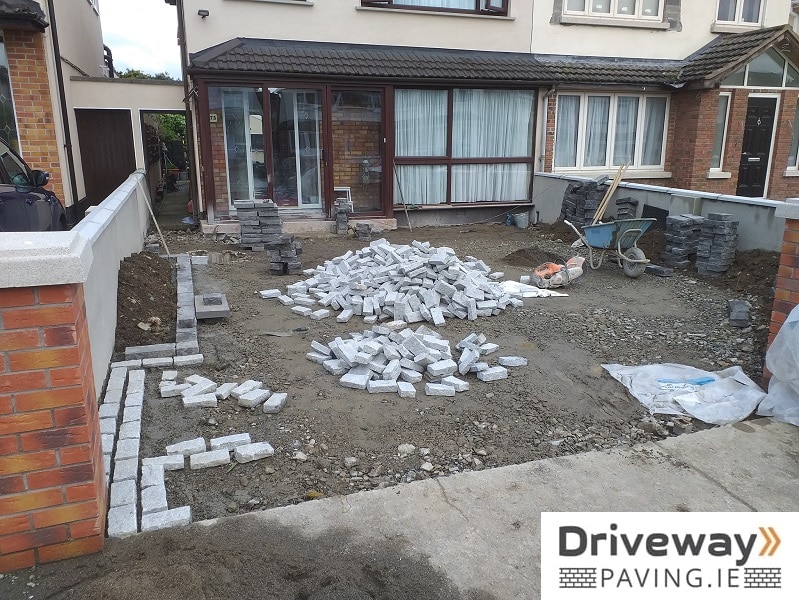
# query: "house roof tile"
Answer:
x=26 y=13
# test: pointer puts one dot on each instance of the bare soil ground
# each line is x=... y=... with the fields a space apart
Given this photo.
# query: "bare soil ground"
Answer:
x=561 y=403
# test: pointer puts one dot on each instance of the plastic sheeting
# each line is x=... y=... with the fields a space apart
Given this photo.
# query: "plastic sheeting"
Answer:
x=782 y=359
x=719 y=397
x=527 y=291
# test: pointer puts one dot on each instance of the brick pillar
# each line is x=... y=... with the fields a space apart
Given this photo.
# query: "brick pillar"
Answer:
x=52 y=482
x=786 y=294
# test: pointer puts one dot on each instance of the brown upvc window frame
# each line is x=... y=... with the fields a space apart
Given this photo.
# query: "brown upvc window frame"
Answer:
x=481 y=7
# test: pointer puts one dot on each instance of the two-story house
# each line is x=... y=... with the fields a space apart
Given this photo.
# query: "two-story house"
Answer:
x=451 y=105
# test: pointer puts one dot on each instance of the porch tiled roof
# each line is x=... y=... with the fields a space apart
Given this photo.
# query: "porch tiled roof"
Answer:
x=287 y=57
x=26 y=13
x=355 y=60
x=728 y=51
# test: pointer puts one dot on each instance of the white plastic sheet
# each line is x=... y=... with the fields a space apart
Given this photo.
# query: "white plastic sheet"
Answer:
x=522 y=290
x=782 y=359
x=718 y=397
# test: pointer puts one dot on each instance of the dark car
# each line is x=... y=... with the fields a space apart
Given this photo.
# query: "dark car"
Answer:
x=24 y=203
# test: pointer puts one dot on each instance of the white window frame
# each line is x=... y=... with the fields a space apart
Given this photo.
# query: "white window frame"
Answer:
x=793 y=167
x=718 y=172
x=639 y=135
x=613 y=14
x=784 y=76
x=739 y=9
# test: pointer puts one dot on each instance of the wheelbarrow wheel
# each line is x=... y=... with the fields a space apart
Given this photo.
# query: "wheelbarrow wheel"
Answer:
x=634 y=269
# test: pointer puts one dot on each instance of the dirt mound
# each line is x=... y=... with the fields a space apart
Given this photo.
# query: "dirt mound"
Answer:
x=147 y=294
x=531 y=258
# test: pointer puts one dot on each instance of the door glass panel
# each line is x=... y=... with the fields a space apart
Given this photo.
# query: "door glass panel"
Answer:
x=8 y=123
x=296 y=120
x=356 y=120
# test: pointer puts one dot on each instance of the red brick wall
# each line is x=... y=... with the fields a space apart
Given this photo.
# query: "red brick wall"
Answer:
x=781 y=187
x=52 y=482
x=218 y=164
x=33 y=104
x=786 y=294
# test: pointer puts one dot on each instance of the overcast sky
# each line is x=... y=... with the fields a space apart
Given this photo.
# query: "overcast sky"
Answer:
x=142 y=34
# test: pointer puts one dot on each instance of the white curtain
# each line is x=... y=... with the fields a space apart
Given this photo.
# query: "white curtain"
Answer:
x=420 y=122
x=718 y=138
x=491 y=183
x=420 y=184
x=626 y=123
x=566 y=131
x=596 y=134
x=654 y=129
x=462 y=4
x=751 y=11
x=492 y=123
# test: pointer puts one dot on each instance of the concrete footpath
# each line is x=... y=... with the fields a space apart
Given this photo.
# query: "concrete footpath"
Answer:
x=481 y=529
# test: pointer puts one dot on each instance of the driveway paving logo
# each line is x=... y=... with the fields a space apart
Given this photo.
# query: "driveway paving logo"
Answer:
x=655 y=555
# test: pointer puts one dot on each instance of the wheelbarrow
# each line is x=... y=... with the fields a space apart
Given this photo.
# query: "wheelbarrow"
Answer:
x=618 y=240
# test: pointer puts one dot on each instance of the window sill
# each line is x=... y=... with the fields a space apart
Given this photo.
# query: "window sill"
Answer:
x=791 y=173
x=434 y=13
x=733 y=27
x=640 y=174
x=292 y=2
x=613 y=22
x=718 y=175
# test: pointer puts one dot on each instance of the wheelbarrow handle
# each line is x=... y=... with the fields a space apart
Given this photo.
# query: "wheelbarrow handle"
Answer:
x=577 y=231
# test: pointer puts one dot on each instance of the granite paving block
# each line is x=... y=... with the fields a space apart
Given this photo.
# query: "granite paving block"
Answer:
x=171 y=462
x=153 y=500
x=275 y=403
x=250 y=452
x=212 y=458
x=122 y=521
x=175 y=517
x=187 y=447
x=228 y=442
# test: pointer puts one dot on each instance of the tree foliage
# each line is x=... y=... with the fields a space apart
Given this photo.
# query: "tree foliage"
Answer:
x=139 y=74
x=171 y=126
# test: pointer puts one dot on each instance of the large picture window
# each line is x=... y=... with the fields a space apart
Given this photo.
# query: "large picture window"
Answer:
x=488 y=7
x=478 y=144
x=599 y=131
x=769 y=69
x=625 y=9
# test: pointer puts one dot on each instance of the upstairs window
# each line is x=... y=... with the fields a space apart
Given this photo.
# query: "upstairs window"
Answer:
x=629 y=9
x=739 y=12
x=482 y=7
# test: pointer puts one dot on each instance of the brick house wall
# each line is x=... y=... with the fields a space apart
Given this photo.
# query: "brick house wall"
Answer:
x=33 y=104
x=53 y=495
x=218 y=164
x=786 y=293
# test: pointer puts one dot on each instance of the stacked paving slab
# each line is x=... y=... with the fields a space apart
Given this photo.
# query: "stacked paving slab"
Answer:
x=391 y=358
x=410 y=283
x=626 y=208
x=717 y=244
x=682 y=240
x=261 y=229
x=580 y=201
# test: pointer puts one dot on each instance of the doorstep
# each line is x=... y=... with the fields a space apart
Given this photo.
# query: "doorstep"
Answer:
x=297 y=225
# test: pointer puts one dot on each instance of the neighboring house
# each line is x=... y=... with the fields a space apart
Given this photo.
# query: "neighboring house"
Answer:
x=454 y=104
x=41 y=46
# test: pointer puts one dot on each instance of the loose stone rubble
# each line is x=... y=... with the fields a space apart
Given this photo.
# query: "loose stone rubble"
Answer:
x=390 y=358
x=411 y=283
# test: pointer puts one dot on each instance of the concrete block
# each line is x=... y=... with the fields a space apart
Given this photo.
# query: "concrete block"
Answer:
x=224 y=390
x=130 y=430
x=211 y=306
x=275 y=403
x=127 y=448
x=175 y=517
x=247 y=386
x=253 y=398
x=320 y=314
x=303 y=311
x=201 y=401
x=250 y=452
x=188 y=360
x=228 y=442
x=153 y=500
x=380 y=386
x=127 y=468
x=204 y=387
x=122 y=521
x=438 y=389
x=442 y=368
x=172 y=391
x=212 y=458
x=187 y=448
x=152 y=474
x=512 y=361
x=273 y=293
x=459 y=384
x=108 y=426
x=123 y=492
x=406 y=389
x=493 y=374
x=335 y=366
x=109 y=410
x=171 y=462
x=357 y=378
x=157 y=363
